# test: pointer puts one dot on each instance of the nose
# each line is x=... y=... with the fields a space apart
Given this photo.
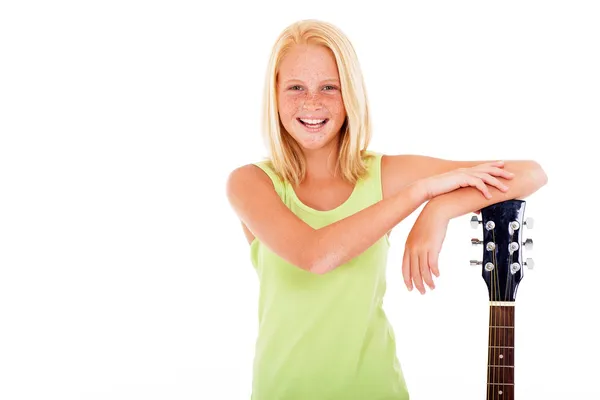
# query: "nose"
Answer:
x=312 y=101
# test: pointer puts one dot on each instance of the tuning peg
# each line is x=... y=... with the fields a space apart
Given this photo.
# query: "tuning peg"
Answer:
x=528 y=223
x=475 y=222
x=476 y=241
x=529 y=263
x=475 y=263
x=528 y=244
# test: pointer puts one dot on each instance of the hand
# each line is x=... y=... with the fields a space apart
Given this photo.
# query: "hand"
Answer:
x=476 y=176
x=422 y=248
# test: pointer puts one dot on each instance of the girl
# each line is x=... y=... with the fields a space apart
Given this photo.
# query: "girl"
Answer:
x=318 y=213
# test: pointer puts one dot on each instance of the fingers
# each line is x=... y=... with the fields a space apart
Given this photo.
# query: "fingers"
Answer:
x=415 y=271
x=417 y=268
x=497 y=164
x=487 y=178
x=477 y=183
x=481 y=180
x=500 y=172
x=433 y=263
x=425 y=273
x=406 y=271
x=496 y=169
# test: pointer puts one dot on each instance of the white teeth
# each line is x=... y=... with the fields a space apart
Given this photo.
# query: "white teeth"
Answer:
x=312 y=121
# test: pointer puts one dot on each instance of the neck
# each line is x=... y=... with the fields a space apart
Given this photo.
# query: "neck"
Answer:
x=320 y=163
x=501 y=351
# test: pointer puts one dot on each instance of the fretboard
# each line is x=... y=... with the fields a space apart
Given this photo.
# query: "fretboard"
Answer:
x=501 y=352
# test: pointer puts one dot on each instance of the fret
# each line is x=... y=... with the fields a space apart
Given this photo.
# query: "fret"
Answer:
x=501 y=356
x=501 y=337
x=501 y=334
x=501 y=350
x=500 y=391
x=502 y=374
x=502 y=315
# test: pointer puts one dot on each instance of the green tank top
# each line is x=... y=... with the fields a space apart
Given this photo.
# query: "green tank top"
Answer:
x=325 y=336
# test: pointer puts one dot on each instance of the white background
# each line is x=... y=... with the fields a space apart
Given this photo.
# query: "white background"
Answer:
x=124 y=273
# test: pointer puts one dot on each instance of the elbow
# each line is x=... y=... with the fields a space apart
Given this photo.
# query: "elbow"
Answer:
x=316 y=266
x=313 y=258
x=533 y=177
x=319 y=265
x=538 y=176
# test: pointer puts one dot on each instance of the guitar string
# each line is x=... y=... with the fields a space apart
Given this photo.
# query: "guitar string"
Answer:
x=491 y=318
x=505 y=316
x=490 y=342
x=511 y=331
x=508 y=283
x=493 y=310
x=491 y=339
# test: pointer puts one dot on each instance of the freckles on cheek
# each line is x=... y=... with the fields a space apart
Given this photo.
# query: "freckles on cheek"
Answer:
x=289 y=106
x=336 y=108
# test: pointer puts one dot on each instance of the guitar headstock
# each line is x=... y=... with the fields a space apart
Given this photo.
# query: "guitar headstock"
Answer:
x=502 y=263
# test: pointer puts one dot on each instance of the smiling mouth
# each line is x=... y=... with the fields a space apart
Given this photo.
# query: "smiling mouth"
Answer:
x=311 y=125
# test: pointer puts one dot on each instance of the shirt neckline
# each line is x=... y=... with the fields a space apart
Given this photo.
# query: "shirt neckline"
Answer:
x=314 y=210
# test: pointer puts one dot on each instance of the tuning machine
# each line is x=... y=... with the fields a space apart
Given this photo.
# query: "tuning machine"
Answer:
x=528 y=223
x=528 y=243
x=529 y=263
x=475 y=242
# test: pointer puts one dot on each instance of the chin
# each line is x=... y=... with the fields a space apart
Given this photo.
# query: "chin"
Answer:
x=314 y=141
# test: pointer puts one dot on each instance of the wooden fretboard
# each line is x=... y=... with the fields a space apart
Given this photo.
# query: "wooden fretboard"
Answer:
x=501 y=352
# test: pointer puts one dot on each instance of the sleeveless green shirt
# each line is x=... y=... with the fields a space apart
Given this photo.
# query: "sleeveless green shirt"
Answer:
x=325 y=336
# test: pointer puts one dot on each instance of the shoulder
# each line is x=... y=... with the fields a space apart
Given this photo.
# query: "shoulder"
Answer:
x=248 y=174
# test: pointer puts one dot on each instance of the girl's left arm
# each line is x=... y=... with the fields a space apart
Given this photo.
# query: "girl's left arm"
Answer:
x=529 y=177
x=424 y=242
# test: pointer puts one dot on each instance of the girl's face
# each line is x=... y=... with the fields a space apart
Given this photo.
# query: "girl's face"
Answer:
x=309 y=96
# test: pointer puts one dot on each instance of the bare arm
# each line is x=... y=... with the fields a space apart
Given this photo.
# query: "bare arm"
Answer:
x=252 y=195
x=424 y=241
x=529 y=177
x=339 y=242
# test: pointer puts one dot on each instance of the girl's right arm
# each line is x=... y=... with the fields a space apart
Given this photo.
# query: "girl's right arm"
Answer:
x=254 y=199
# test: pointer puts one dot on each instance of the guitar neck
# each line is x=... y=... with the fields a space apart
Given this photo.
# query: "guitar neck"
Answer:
x=501 y=352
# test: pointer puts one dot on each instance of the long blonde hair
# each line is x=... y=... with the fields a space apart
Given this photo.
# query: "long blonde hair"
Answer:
x=286 y=155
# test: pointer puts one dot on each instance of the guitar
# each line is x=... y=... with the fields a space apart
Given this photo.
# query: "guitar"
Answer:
x=502 y=270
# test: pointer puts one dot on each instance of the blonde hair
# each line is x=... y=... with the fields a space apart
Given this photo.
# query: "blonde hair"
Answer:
x=286 y=155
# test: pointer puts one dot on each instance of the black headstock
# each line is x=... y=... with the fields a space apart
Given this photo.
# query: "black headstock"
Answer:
x=502 y=262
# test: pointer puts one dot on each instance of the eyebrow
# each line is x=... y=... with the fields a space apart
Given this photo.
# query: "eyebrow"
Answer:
x=324 y=80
